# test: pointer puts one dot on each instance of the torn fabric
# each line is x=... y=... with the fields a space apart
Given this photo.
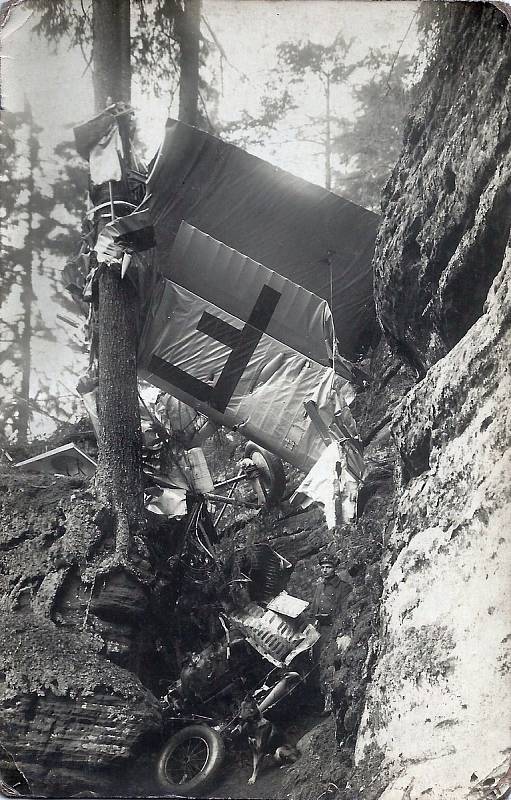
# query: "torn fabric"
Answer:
x=104 y=158
x=88 y=134
x=171 y=503
x=90 y=401
x=99 y=141
x=330 y=483
x=133 y=232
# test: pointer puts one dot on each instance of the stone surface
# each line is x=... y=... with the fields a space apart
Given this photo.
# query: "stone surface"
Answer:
x=327 y=752
x=446 y=207
x=69 y=717
x=439 y=707
x=73 y=640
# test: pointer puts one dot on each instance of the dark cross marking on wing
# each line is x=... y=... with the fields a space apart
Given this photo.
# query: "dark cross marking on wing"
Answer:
x=242 y=344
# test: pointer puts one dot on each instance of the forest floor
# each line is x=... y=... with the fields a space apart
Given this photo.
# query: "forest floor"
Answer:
x=272 y=778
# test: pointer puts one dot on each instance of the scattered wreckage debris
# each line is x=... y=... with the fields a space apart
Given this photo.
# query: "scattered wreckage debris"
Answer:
x=230 y=691
x=229 y=336
x=495 y=786
x=67 y=460
x=248 y=372
x=192 y=758
x=276 y=636
x=256 y=574
x=333 y=481
x=234 y=321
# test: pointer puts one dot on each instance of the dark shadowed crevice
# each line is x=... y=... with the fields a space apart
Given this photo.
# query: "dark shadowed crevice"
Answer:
x=478 y=274
x=417 y=461
x=446 y=250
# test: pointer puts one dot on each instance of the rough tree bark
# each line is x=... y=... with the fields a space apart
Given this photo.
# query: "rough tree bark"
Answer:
x=189 y=42
x=119 y=473
x=111 y=51
x=27 y=292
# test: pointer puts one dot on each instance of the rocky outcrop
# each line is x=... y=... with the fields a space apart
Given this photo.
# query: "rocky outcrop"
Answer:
x=436 y=719
x=440 y=700
x=349 y=655
x=70 y=717
x=74 y=640
x=446 y=207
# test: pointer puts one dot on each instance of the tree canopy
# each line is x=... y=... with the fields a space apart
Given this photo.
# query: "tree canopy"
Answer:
x=38 y=220
x=369 y=145
x=358 y=149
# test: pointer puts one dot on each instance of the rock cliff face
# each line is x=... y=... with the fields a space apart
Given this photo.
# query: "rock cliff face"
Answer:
x=441 y=693
x=446 y=220
x=70 y=718
x=436 y=717
x=437 y=714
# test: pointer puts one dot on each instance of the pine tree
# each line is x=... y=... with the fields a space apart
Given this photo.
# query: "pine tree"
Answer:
x=164 y=43
x=108 y=30
x=321 y=66
x=119 y=473
x=328 y=66
x=369 y=146
x=26 y=223
x=189 y=45
x=39 y=222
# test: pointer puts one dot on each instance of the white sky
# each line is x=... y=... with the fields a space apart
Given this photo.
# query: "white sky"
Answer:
x=60 y=92
x=58 y=86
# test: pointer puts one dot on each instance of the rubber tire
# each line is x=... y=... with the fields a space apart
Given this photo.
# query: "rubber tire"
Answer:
x=206 y=777
x=271 y=468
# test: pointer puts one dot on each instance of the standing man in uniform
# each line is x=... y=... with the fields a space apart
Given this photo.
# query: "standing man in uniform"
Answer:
x=328 y=605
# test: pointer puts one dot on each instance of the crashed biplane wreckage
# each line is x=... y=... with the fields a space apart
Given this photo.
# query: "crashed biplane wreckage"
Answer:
x=263 y=654
x=255 y=288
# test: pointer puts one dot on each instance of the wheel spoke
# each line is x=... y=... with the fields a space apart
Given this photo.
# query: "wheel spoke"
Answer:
x=197 y=750
x=187 y=760
x=197 y=764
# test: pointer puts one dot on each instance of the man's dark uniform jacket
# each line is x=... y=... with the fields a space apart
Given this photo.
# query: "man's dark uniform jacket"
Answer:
x=329 y=599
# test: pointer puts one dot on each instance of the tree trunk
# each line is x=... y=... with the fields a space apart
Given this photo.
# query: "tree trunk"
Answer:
x=27 y=292
x=111 y=51
x=119 y=473
x=189 y=42
x=328 y=138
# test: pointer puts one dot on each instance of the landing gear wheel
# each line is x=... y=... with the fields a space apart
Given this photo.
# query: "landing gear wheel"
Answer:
x=190 y=761
x=271 y=472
